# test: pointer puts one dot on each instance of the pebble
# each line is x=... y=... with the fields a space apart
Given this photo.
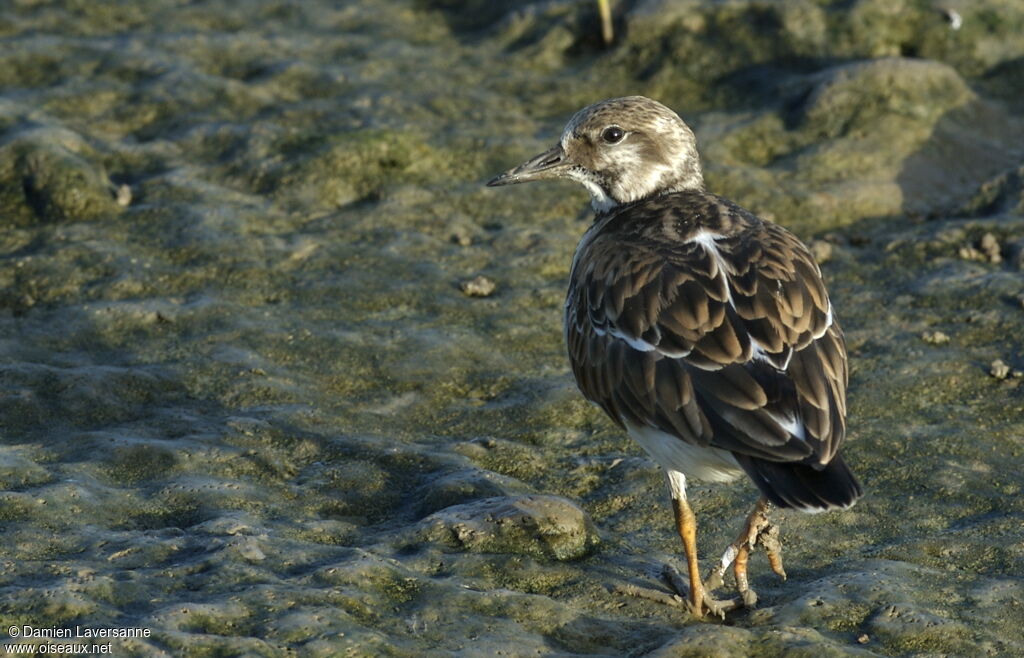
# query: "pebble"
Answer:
x=956 y=21
x=990 y=245
x=123 y=196
x=478 y=286
x=461 y=237
x=935 y=338
x=987 y=251
x=999 y=370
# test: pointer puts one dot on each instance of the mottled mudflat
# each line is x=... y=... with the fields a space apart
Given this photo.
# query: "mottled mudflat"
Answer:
x=248 y=402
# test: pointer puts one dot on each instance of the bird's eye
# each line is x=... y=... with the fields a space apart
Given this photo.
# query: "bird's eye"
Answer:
x=613 y=134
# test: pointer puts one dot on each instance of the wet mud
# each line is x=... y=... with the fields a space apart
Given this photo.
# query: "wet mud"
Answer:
x=248 y=402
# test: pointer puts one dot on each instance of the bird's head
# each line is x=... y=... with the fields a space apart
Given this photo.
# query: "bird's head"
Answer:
x=621 y=150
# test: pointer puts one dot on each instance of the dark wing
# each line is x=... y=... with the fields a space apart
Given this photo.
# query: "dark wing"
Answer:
x=729 y=342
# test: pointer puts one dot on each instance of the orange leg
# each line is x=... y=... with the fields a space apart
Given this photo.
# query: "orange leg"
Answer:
x=686 y=525
x=739 y=570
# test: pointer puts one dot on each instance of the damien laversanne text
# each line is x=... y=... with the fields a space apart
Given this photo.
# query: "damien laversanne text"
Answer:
x=82 y=631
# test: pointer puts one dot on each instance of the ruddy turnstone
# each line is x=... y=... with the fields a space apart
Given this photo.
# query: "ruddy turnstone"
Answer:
x=702 y=330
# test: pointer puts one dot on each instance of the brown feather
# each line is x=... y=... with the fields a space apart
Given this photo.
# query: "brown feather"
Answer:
x=640 y=277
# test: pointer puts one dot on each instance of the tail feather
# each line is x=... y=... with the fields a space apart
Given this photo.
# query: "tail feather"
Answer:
x=800 y=486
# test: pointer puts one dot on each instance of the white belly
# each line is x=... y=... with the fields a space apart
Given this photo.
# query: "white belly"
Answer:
x=674 y=454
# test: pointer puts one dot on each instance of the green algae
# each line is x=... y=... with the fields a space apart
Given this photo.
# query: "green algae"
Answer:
x=135 y=464
x=544 y=527
x=334 y=171
x=51 y=176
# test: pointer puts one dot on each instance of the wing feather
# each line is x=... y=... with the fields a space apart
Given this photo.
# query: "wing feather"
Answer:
x=729 y=342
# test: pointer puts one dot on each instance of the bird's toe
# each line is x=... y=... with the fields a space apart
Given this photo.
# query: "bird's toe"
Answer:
x=717 y=607
x=769 y=540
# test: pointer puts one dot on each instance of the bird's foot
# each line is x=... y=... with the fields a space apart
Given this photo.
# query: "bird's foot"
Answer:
x=699 y=606
x=711 y=606
x=758 y=531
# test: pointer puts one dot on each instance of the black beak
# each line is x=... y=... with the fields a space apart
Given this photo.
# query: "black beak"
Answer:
x=549 y=164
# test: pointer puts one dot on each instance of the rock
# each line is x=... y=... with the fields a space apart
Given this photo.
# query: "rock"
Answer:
x=540 y=526
x=466 y=485
x=1003 y=193
x=334 y=170
x=478 y=286
x=870 y=138
x=710 y=40
x=968 y=252
x=935 y=338
x=990 y=247
x=986 y=250
x=51 y=175
x=123 y=195
x=860 y=95
x=461 y=236
x=999 y=370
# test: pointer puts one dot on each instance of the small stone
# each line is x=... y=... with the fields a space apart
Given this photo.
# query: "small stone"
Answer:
x=999 y=370
x=990 y=247
x=123 y=195
x=968 y=252
x=864 y=638
x=461 y=237
x=478 y=286
x=953 y=17
x=821 y=250
x=935 y=338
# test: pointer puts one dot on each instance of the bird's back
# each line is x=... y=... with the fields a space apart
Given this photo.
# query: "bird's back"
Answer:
x=692 y=317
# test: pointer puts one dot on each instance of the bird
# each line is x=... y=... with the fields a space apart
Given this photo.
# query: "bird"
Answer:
x=702 y=330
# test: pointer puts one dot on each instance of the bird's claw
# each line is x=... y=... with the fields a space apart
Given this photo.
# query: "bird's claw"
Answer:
x=696 y=596
x=712 y=607
x=758 y=531
x=707 y=603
